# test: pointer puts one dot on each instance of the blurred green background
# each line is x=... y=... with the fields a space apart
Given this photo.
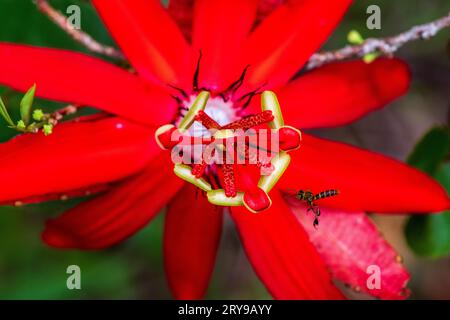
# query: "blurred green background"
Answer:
x=134 y=269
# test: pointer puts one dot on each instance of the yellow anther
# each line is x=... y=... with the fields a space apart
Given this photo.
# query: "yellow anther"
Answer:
x=224 y=134
x=185 y=172
x=219 y=198
x=280 y=163
x=199 y=104
x=161 y=130
x=269 y=101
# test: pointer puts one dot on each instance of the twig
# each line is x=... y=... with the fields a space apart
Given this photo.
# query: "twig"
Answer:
x=78 y=35
x=59 y=114
x=386 y=46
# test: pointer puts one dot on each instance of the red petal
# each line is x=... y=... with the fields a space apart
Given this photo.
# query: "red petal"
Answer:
x=340 y=93
x=283 y=42
x=182 y=11
x=191 y=237
x=220 y=28
x=74 y=156
x=351 y=246
x=367 y=181
x=281 y=254
x=87 y=191
x=148 y=37
x=117 y=214
x=77 y=78
x=266 y=7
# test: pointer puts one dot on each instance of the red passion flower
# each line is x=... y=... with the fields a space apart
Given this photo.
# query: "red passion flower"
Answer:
x=246 y=47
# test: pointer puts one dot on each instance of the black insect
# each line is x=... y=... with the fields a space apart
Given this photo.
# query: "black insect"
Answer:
x=310 y=199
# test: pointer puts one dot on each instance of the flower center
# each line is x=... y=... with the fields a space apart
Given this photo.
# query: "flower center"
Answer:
x=219 y=110
x=217 y=152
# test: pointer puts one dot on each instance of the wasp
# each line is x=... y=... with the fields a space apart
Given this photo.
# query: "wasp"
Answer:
x=310 y=199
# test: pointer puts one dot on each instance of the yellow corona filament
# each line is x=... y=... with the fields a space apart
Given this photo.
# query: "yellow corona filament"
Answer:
x=280 y=163
x=269 y=101
x=219 y=198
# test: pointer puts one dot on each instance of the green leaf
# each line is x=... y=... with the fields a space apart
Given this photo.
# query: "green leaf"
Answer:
x=443 y=176
x=26 y=104
x=431 y=151
x=4 y=113
x=429 y=235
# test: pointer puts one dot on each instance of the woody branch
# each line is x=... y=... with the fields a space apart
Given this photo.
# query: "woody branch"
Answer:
x=387 y=46
x=81 y=37
x=58 y=115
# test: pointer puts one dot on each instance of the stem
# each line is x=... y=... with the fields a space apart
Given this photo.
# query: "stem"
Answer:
x=57 y=116
x=386 y=46
x=81 y=37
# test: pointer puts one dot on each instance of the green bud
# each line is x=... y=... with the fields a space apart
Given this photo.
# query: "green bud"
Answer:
x=371 y=57
x=47 y=129
x=38 y=115
x=354 y=37
x=21 y=125
x=26 y=104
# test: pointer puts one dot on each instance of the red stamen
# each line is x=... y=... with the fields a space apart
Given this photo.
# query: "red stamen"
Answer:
x=254 y=197
x=229 y=180
x=251 y=121
x=206 y=120
x=198 y=169
x=289 y=138
x=250 y=157
x=266 y=167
